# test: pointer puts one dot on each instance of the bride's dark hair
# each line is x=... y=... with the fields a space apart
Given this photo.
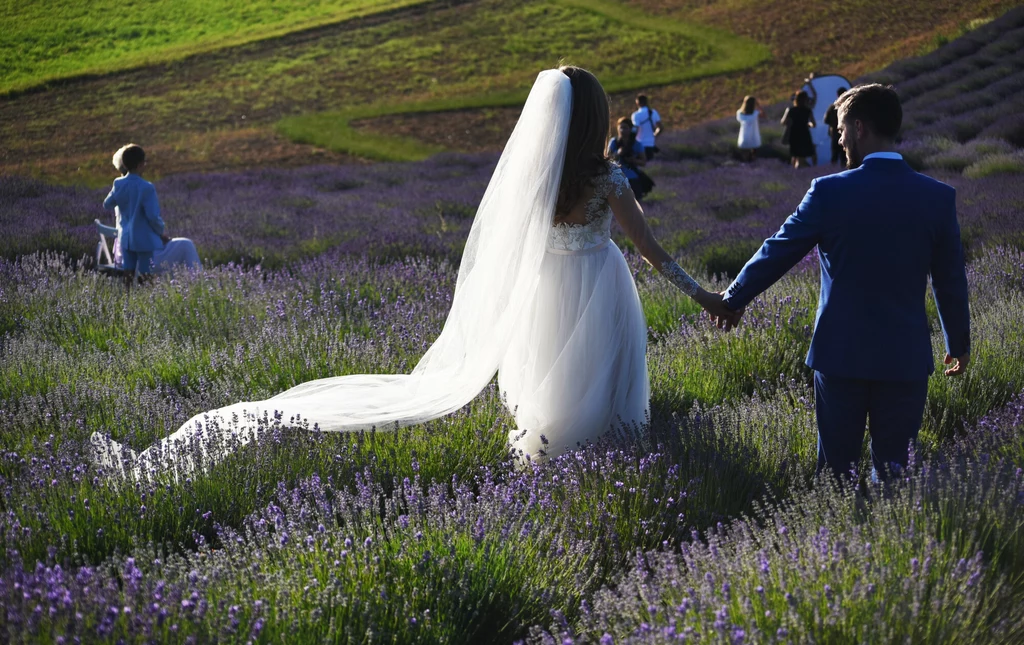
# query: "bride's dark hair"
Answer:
x=588 y=129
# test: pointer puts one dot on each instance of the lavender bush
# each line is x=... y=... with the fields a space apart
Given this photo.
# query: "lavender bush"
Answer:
x=732 y=424
x=833 y=566
x=712 y=216
x=965 y=93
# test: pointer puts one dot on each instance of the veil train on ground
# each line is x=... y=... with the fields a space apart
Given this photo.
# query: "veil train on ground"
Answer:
x=498 y=278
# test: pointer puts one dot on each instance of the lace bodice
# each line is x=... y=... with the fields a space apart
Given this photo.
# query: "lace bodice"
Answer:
x=566 y=236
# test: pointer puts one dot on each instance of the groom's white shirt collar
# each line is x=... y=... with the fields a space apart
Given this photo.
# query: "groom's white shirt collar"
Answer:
x=883 y=155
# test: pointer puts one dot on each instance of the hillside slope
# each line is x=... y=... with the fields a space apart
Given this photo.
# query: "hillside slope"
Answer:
x=42 y=44
x=218 y=111
x=850 y=39
x=962 y=124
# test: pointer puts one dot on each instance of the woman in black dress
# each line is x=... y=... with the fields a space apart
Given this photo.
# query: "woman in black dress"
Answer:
x=799 y=119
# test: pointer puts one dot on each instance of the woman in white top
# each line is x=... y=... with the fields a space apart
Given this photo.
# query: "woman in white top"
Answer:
x=750 y=131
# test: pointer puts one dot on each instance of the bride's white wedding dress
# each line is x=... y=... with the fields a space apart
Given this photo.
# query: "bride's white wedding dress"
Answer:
x=577 y=362
x=551 y=307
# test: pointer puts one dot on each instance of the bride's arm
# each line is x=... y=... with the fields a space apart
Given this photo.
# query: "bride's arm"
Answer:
x=630 y=217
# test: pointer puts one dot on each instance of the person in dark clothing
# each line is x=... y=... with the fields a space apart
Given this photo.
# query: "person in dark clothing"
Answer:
x=630 y=155
x=799 y=119
x=832 y=121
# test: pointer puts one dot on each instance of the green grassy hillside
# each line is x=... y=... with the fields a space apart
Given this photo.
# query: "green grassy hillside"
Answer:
x=209 y=108
x=43 y=41
x=490 y=59
x=400 y=84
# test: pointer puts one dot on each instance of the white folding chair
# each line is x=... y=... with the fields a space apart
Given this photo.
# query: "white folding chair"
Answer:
x=104 y=259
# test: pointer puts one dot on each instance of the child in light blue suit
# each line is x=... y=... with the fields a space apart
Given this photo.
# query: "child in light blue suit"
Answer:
x=142 y=229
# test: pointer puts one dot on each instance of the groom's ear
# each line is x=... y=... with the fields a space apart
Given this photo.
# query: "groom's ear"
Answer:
x=861 y=129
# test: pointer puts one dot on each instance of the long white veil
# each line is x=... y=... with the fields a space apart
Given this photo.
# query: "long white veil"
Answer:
x=498 y=277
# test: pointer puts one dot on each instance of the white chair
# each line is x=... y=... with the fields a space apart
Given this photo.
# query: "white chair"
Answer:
x=104 y=258
x=177 y=251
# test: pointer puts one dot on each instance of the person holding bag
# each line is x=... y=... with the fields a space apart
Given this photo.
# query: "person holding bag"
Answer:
x=629 y=154
x=647 y=122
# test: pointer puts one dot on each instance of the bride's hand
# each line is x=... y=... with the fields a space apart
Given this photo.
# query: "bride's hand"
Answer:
x=719 y=314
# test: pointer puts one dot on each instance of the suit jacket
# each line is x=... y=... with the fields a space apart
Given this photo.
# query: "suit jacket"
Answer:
x=881 y=230
x=141 y=225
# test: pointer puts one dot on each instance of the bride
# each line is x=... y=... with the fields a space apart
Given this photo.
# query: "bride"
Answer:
x=543 y=297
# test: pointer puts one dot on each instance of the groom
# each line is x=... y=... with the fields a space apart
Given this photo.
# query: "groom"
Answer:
x=881 y=229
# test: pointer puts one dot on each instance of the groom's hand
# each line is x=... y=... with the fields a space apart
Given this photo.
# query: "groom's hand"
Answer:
x=735 y=314
x=720 y=314
x=959 y=364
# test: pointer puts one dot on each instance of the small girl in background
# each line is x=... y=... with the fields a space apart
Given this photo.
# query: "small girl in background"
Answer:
x=750 y=131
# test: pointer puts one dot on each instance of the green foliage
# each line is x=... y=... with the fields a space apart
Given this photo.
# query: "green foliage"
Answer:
x=941 y=39
x=996 y=164
x=39 y=45
x=664 y=309
x=728 y=258
x=925 y=562
x=773 y=186
x=992 y=377
x=919 y=156
x=58 y=240
x=738 y=208
x=332 y=130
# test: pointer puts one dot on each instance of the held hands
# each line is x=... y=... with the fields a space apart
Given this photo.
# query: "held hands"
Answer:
x=165 y=238
x=959 y=364
x=718 y=313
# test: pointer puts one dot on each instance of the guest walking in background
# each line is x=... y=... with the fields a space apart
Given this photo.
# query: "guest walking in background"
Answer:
x=750 y=130
x=832 y=121
x=629 y=154
x=647 y=122
x=142 y=229
x=799 y=119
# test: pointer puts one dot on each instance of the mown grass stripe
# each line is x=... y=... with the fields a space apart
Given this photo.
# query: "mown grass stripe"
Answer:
x=120 y=62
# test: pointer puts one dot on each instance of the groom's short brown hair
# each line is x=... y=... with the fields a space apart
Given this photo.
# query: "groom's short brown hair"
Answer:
x=876 y=105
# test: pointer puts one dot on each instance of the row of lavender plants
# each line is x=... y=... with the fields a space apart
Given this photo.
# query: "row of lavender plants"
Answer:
x=936 y=558
x=713 y=216
x=432 y=534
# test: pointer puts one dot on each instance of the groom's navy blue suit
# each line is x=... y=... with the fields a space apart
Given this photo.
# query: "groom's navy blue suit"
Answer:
x=881 y=230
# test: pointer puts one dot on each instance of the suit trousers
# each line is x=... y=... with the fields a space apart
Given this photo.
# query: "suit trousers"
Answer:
x=140 y=262
x=892 y=409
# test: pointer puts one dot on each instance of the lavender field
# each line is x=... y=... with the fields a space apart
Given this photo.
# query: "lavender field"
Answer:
x=711 y=528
